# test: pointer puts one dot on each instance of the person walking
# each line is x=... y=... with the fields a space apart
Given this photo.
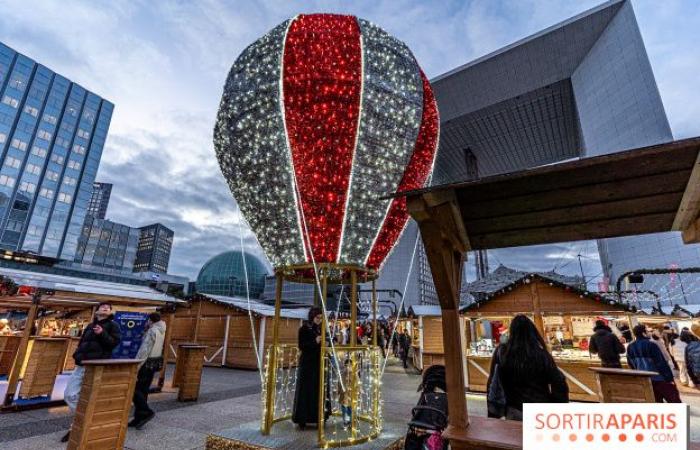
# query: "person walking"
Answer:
x=526 y=370
x=657 y=339
x=151 y=352
x=606 y=345
x=644 y=354
x=99 y=338
x=678 y=346
x=404 y=347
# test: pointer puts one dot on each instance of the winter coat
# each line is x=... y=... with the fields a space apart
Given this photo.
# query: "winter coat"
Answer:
x=152 y=343
x=98 y=346
x=692 y=360
x=607 y=346
x=643 y=354
x=548 y=385
x=308 y=376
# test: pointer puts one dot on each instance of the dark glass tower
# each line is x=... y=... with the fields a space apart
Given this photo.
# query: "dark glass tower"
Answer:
x=52 y=132
x=153 y=252
x=99 y=200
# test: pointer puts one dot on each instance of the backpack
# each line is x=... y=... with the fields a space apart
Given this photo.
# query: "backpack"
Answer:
x=429 y=416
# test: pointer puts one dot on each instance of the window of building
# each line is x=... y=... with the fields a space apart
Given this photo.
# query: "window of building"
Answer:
x=70 y=181
x=65 y=143
x=48 y=193
x=43 y=134
x=12 y=162
x=19 y=144
x=3 y=138
x=17 y=83
x=48 y=118
x=7 y=181
x=38 y=151
x=36 y=93
x=25 y=126
x=14 y=225
x=51 y=175
x=58 y=159
x=65 y=198
x=33 y=169
x=73 y=164
x=79 y=149
x=11 y=101
x=83 y=134
x=72 y=111
x=27 y=187
x=32 y=111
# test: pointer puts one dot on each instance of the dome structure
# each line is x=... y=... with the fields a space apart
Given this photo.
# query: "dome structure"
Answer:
x=320 y=120
x=224 y=275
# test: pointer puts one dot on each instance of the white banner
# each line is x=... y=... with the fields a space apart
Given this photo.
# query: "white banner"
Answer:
x=601 y=426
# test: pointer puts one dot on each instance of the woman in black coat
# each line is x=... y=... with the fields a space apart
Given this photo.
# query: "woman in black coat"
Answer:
x=526 y=370
x=308 y=372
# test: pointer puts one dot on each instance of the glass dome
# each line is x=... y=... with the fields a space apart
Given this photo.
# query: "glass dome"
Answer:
x=224 y=275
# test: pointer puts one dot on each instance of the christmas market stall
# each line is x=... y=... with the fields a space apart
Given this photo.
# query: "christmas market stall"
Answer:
x=36 y=353
x=564 y=313
x=224 y=324
x=426 y=335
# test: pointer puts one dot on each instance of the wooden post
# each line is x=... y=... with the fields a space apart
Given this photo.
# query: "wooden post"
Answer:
x=353 y=307
x=226 y=331
x=536 y=308
x=13 y=379
x=103 y=408
x=192 y=362
x=199 y=317
x=375 y=331
x=45 y=361
x=624 y=385
x=169 y=324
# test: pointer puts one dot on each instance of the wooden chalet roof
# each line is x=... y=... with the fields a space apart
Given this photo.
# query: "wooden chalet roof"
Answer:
x=645 y=190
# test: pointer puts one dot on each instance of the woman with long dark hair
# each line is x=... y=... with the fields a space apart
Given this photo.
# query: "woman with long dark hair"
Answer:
x=526 y=370
x=308 y=372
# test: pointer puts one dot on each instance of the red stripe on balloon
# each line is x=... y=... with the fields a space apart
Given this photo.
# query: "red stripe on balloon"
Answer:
x=414 y=177
x=322 y=82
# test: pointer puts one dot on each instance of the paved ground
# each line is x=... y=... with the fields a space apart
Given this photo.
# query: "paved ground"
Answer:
x=228 y=398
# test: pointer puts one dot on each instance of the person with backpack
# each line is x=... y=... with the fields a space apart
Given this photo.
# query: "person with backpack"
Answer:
x=99 y=338
x=151 y=352
x=606 y=345
x=691 y=358
x=644 y=354
x=523 y=371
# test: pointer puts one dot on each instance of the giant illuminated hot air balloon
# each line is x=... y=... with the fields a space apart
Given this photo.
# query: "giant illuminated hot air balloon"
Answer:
x=320 y=119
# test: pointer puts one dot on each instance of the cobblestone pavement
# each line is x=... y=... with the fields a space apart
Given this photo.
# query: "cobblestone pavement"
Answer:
x=228 y=398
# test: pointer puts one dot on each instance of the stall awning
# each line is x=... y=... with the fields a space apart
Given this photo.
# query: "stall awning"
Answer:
x=640 y=191
x=258 y=308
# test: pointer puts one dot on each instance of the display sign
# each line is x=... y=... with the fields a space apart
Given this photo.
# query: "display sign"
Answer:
x=132 y=326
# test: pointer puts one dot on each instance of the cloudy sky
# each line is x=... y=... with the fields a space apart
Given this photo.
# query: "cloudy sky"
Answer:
x=163 y=64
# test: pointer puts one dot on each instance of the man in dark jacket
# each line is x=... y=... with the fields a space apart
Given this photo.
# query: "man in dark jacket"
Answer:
x=404 y=347
x=99 y=338
x=606 y=345
x=643 y=354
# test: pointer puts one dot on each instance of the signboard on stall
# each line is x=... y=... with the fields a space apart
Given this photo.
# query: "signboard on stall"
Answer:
x=132 y=326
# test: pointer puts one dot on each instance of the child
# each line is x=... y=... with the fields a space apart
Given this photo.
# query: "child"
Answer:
x=344 y=396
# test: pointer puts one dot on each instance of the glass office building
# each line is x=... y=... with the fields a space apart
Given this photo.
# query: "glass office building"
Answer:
x=99 y=200
x=52 y=132
x=153 y=253
x=107 y=244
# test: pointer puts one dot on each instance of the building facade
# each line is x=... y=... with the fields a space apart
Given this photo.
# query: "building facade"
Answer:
x=99 y=200
x=581 y=88
x=52 y=133
x=107 y=244
x=153 y=252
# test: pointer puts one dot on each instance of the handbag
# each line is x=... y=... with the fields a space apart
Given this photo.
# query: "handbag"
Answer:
x=496 y=396
x=154 y=364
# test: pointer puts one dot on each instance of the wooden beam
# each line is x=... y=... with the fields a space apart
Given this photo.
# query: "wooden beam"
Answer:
x=690 y=204
x=536 y=308
x=691 y=234
x=169 y=324
x=13 y=378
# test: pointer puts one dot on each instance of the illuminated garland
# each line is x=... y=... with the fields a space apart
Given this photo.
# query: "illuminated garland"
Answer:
x=342 y=107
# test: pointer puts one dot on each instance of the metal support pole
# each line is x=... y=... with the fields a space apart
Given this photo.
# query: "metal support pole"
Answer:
x=272 y=361
x=353 y=307
x=322 y=367
x=375 y=330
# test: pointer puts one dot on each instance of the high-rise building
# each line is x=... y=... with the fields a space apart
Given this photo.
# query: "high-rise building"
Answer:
x=153 y=251
x=52 y=132
x=99 y=200
x=581 y=88
x=107 y=244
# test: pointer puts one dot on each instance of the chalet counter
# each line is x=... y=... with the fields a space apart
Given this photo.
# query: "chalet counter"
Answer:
x=582 y=382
